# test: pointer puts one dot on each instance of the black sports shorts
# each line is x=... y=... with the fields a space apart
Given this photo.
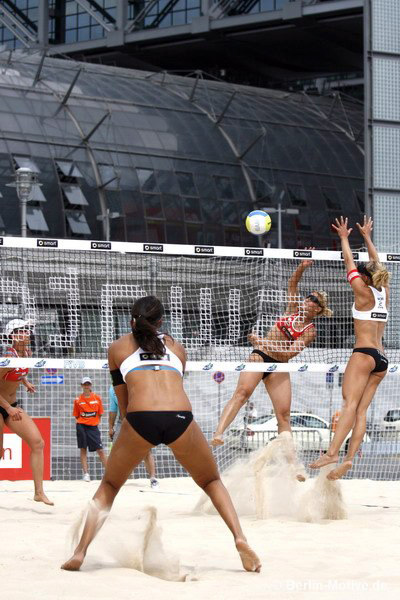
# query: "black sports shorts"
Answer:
x=88 y=436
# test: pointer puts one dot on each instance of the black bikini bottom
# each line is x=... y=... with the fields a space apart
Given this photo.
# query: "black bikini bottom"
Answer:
x=381 y=362
x=4 y=413
x=266 y=359
x=160 y=426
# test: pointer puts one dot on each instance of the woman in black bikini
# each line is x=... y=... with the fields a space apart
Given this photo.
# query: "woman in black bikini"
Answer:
x=147 y=369
x=19 y=335
x=367 y=365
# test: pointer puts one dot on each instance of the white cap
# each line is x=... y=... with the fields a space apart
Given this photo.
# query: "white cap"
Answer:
x=86 y=380
x=16 y=324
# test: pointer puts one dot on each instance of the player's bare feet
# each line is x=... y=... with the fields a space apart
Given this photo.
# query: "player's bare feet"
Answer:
x=74 y=563
x=324 y=460
x=340 y=470
x=217 y=440
x=249 y=558
x=43 y=498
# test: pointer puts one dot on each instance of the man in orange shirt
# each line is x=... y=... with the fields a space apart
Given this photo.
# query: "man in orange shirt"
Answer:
x=88 y=409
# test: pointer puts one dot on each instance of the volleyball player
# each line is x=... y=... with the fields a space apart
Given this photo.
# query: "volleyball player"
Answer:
x=291 y=333
x=147 y=369
x=368 y=364
x=19 y=336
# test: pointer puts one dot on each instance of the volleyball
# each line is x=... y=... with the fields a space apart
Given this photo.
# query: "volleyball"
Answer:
x=258 y=222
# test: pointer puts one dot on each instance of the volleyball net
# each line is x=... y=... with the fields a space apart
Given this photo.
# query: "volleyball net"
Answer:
x=77 y=297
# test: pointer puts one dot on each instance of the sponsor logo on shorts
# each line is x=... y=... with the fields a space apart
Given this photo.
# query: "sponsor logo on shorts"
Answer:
x=394 y=369
x=393 y=257
x=254 y=251
x=302 y=253
x=181 y=416
x=5 y=362
x=74 y=364
x=355 y=255
x=333 y=369
x=303 y=368
x=40 y=363
x=240 y=367
x=208 y=366
x=153 y=356
x=153 y=248
x=47 y=243
x=100 y=245
x=271 y=368
x=377 y=315
x=204 y=249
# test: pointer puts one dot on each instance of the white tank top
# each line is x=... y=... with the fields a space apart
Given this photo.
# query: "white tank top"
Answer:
x=378 y=313
x=141 y=359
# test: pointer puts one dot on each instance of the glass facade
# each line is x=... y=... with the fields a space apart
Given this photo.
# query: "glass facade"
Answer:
x=139 y=148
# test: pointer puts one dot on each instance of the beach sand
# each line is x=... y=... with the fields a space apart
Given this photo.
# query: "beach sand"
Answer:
x=356 y=557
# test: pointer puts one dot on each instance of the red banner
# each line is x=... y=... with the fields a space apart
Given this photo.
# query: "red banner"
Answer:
x=15 y=465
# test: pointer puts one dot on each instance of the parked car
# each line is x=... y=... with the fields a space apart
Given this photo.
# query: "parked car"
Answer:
x=391 y=422
x=310 y=432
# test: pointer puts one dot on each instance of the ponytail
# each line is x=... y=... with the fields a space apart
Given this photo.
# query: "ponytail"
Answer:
x=146 y=315
x=378 y=273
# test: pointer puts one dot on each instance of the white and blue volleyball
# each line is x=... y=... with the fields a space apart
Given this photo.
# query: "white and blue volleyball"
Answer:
x=258 y=222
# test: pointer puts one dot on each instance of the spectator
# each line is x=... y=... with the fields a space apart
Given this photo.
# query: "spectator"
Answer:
x=88 y=409
x=114 y=426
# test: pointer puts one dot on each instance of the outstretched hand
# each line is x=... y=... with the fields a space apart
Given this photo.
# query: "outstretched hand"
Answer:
x=217 y=440
x=307 y=263
x=341 y=227
x=366 y=228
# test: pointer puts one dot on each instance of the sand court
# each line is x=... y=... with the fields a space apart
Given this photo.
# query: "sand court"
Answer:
x=355 y=557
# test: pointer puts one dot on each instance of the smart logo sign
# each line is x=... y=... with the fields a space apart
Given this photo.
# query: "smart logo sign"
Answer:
x=12 y=455
x=15 y=464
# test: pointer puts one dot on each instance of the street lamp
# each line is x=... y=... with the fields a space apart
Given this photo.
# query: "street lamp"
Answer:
x=280 y=211
x=25 y=179
x=106 y=221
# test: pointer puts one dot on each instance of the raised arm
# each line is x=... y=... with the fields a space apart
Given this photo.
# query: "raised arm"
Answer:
x=294 y=282
x=365 y=231
x=343 y=231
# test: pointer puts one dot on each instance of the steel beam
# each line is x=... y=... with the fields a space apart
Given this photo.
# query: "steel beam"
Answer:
x=97 y=13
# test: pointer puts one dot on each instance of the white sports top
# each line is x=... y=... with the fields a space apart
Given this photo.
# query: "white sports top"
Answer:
x=142 y=360
x=378 y=313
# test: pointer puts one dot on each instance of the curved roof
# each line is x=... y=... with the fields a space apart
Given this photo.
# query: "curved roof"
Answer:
x=179 y=159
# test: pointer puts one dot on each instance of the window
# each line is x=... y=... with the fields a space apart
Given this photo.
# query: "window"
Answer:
x=297 y=195
x=192 y=209
x=153 y=207
x=186 y=184
x=147 y=180
x=77 y=222
x=331 y=198
x=74 y=195
x=360 y=200
x=229 y=213
x=35 y=219
x=109 y=176
x=224 y=188
x=313 y=422
x=24 y=162
x=37 y=194
x=68 y=168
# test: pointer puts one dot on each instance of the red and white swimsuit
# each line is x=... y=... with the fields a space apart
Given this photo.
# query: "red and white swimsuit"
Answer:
x=286 y=325
x=14 y=374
